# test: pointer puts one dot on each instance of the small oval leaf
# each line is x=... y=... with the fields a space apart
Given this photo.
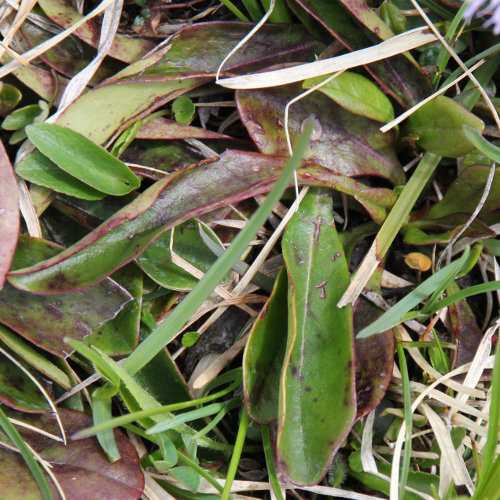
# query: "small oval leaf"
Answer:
x=81 y=158
x=357 y=94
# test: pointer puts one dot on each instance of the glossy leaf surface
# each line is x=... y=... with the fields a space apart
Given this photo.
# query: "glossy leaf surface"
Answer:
x=346 y=144
x=357 y=94
x=44 y=320
x=438 y=127
x=81 y=158
x=9 y=220
x=196 y=190
x=81 y=468
x=317 y=398
x=198 y=50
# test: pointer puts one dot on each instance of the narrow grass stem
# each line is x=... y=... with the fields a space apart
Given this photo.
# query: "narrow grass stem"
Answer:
x=235 y=459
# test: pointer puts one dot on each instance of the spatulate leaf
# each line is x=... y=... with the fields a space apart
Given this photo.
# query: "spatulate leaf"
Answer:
x=317 y=396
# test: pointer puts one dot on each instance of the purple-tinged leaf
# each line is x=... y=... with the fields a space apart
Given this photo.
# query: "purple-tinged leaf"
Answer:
x=161 y=128
x=402 y=79
x=68 y=57
x=45 y=321
x=198 y=50
x=463 y=325
x=190 y=60
x=317 y=404
x=188 y=194
x=109 y=108
x=264 y=355
x=367 y=16
x=9 y=213
x=81 y=467
x=123 y=48
x=42 y=82
x=346 y=144
x=374 y=359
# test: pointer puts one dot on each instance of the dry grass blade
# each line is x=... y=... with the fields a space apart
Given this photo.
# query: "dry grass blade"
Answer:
x=449 y=454
x=391 y=47
x=43 y=47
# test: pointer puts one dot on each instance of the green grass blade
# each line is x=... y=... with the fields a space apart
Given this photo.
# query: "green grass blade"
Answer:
x=139 y=415
x=157 y=340
x=268 y=453
x=32 y=464
x=395 y=315
x=237 y=12
x=491 y=286
x=489 y=482
x=235 y=458
x=101 y=412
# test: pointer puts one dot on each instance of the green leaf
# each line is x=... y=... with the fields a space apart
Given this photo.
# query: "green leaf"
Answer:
x=183 y=109
x=148 y=349
x=19 y=118
x=439 y=127
x=156 y=260
x=9 y=98
x=37 y=168
x=264 y=354
x=317 y=394
x=81 y=158
x=186 y=476
x=356 y=94
x=189 y=339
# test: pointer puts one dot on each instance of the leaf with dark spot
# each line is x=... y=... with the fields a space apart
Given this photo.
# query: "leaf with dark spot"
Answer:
x=45 y=321
x=317 y=405
x=194 y=191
